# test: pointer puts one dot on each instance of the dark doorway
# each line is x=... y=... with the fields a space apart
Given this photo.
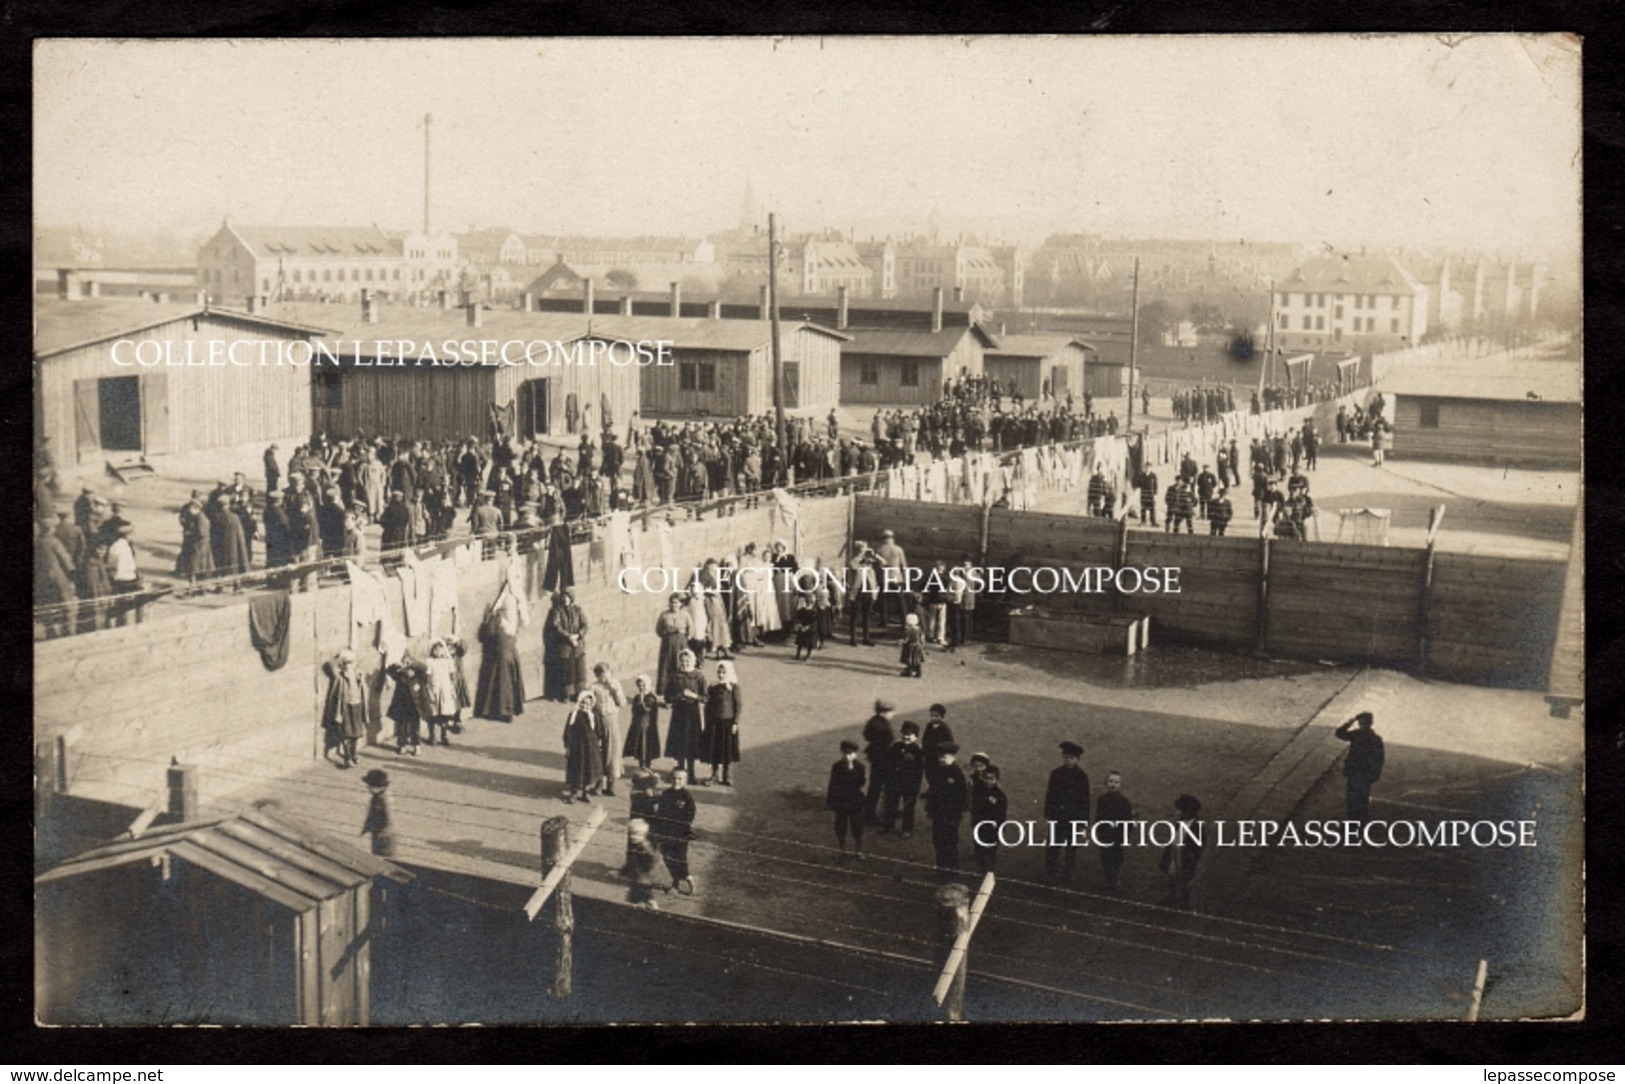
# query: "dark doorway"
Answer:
x=119 y=406
x=533 y=408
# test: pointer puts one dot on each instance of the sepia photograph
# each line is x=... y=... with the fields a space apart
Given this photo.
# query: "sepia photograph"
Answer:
x=1134 y=482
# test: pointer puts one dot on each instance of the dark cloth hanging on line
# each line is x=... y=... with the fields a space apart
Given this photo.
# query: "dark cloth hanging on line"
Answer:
x=561 y=570
x=269 y=621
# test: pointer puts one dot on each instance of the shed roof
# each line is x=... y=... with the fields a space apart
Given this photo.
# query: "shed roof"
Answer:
x=1351 y=274
x=1032 y=346
x=431 y=324
x=1551 y=381
x=326 y=242
x=909 y=343
x=267 y=853
x=60 y=326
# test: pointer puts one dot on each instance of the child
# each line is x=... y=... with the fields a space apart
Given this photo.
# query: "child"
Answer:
x=640 y=863
x=806 y=623
x=913 y=655
x=378 y=821
x=442 y=696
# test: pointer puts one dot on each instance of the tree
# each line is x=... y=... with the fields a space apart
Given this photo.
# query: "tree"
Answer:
x=622 y=279
x=1207 y=318
x=1156 y=320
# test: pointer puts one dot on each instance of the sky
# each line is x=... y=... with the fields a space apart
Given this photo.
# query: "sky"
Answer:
x=1419 y=140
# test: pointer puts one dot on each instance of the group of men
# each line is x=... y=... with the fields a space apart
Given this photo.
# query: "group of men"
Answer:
x=85 y=572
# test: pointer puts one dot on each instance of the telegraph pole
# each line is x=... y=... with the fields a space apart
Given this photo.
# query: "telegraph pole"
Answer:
x=778 y=358
x=1133 y=341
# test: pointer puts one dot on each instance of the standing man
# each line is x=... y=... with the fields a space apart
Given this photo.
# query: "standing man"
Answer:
x=905 y=772
x=989 y=807
x=1148 y=497
x=845 y=797
x=891 y=563
x=673 y=828
x=1180 y=859
x=1364 y=764
x=863 y=590
x=1066 y=802
x=1219 y=512
x=877 y=743
x=945 y=804
x=273 y=470
x=1112 y=813
x=1206 y=484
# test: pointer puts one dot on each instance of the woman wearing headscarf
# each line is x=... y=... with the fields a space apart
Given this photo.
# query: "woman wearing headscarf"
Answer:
x=564 y=646
x=643 y=732
x=785 y=567
x=722 y=708
x=675 y=628
x=583 y=748
x=501 y=689
x=687 y=695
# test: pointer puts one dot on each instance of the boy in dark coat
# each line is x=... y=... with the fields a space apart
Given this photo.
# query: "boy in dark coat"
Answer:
x=905 y=771
x=845 y=797
x=988 y=810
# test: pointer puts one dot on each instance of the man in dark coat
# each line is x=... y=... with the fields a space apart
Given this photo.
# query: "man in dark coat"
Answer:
x=1112 y=809
x=1066 y=802
x=936 y=735
x=1219 y=512
x=396 y=522
x=945 y=804
x=877 y=743
x=905 y=772
x=673 y=827
x=845 y=797
x=1148 y=497
x=276 y=531
x=1364 y=764
x=988 y=810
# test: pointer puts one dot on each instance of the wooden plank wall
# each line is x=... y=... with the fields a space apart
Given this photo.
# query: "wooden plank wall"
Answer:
x=1490 y=620
x=1525 y=433
x=193 y=688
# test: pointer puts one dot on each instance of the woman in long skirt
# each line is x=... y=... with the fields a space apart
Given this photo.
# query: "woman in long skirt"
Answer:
x=687 y=697
x=675 y=629
x=501 y=693
x=583 y=748
x=643 y=731
x=722 y=708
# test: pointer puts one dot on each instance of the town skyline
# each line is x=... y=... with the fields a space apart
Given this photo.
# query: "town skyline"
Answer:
x=1383 y=142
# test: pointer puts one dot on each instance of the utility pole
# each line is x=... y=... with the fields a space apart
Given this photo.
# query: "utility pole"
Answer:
x=1269 y=349
x=558 y=855
x=1133 y=341
x=778 y=357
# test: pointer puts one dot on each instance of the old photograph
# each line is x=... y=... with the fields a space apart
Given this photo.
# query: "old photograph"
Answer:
x=807 y=530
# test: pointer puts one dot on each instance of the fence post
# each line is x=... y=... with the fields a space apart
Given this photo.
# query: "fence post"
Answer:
x=953 y=916
x=555 y=841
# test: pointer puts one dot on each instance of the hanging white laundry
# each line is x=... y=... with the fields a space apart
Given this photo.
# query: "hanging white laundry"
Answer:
x=788 y=509
x=663 y=534
x=623 y=544
x=416 y=588
x=369 y=602
x=444 y=616
x=466 y=556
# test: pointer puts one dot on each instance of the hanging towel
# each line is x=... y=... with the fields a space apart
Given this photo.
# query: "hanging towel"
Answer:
x=444 y=616
x=789 y=513
x=416 y=587
x=369 y=602
x=268 y=624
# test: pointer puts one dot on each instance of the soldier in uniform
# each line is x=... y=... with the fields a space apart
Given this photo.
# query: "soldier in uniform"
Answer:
x=1065 y=801
x=845 y=797
x=945 y=804
x=1113 y=806
x=988 y=809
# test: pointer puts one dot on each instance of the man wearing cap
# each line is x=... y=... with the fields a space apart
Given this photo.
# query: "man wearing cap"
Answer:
x=1364 y=764
x=890 y=563
x=378 y=824
x=1180 y=858
x=673 y=828
x=905 y=772
x=864 y=588
x=988 y=810
x=845 y=797
x=945 y=804
x=877 y=743
x=1112 y=812
x=1066 y=802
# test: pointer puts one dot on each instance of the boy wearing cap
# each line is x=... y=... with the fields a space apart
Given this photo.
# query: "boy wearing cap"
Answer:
x=877 y=743
x=1180 y=858
x=905 y=771
x=1112 y=812
x=1066 y=802
x=1364 y=764
x=377 y=823
x=989 y=807
x=945 y=804
x=845 y=797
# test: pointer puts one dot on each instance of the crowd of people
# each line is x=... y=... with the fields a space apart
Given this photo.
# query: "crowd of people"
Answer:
x=85 y=572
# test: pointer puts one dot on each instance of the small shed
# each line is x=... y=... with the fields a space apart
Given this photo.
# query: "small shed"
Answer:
x=255 y=919
x=725 y=367
x=1035 y=364
x=909 y=367
x=150 y=378
x=1524 y=415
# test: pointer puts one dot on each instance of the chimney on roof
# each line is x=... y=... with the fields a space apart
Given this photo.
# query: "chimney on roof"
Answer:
x=676 y=299
x=625 y=308
x=475 y=314
x=369 y=307
x=587 y=296
x=936 y=308
x=762 y=310
x=445 y=299
x=203 y=298
x=840 y=308
x=252 y=303
x=93 y=288
x=529 y=300
x=959 y=293
x=713 y=309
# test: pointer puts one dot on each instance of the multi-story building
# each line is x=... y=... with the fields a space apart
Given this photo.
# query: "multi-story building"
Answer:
x=970 y=272
x=243 y=263
x=628 y=252
x=881 y=258
x=1349 y=302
